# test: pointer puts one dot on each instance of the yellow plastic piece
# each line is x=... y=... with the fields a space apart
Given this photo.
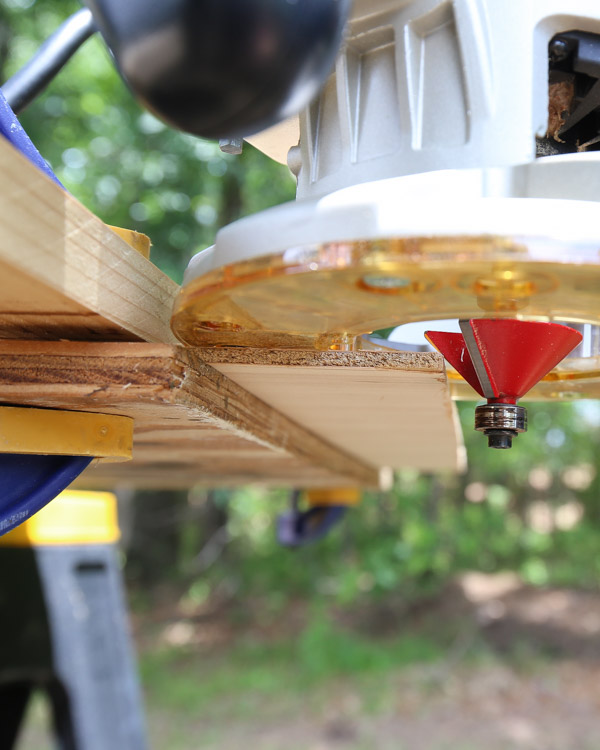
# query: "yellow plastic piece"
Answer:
x=65 y=433
x=349 y=496
x=136 y=240
x=327 y=296
x=71 y=518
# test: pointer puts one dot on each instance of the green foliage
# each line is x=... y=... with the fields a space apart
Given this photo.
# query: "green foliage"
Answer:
x=254 y=670
x=533 y=509
x=324 y=649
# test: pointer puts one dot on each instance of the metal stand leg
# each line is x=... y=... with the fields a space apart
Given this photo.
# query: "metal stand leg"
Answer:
x=14 y=698
x=65 y=630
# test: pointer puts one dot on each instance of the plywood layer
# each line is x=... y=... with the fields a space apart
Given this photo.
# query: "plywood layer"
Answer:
x=218 y=416
x=386 y=408
x=192 y=424
x=65 y=274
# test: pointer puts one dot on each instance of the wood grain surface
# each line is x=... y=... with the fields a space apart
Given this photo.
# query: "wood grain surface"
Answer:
x=85 y=325
x=192 y=424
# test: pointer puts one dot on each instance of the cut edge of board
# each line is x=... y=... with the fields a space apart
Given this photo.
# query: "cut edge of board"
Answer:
x=380 y=360
x=135 y=378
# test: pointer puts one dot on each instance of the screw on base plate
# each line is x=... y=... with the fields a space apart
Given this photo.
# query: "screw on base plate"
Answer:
x=500 y=423
x=231 y=146
x=559 y=49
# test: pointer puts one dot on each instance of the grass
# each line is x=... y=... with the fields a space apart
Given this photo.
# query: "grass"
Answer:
x=332 y=688
x=194 y=695
x=281 y=672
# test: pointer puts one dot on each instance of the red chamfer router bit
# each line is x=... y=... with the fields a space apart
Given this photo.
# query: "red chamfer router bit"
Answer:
x=502 y=359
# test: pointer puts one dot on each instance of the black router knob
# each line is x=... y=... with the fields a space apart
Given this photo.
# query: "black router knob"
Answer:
x=223 y=68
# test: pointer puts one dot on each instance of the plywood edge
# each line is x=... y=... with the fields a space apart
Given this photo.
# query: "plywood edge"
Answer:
x=389 y=408
x=242 y=408
x=381 y=360
x=91 y=349
x=128 y=376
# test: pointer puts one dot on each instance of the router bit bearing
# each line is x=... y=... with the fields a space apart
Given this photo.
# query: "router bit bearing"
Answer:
x=501 y=423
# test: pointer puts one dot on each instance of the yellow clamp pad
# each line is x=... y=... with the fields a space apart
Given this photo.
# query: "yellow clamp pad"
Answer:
x=136 y=240
x=71 y=518
x=335 y=496
x=65 y=433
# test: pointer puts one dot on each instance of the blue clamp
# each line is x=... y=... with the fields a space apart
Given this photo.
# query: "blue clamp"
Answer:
x=28 y=482
x=296 y=527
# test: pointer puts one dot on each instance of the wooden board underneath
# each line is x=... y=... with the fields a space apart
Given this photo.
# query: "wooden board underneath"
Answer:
x=191 y=423
x=323 y=418
x=386 y=408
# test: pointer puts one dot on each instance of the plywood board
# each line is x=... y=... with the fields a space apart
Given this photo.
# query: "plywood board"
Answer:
x=305 y=418
x=386 y=408
x=191 y=423
x=65 y=274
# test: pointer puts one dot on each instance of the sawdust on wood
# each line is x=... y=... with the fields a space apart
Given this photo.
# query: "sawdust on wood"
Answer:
x=561 y=94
